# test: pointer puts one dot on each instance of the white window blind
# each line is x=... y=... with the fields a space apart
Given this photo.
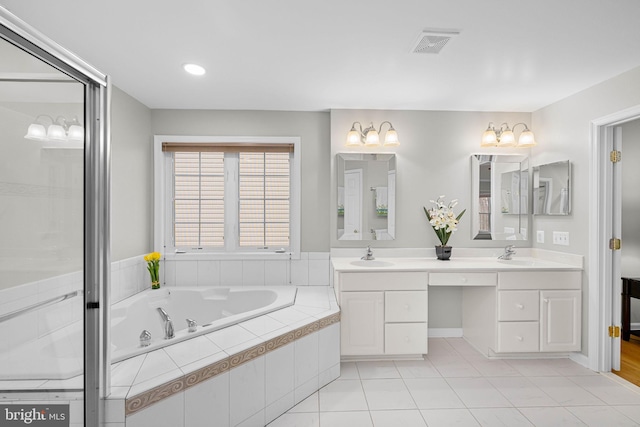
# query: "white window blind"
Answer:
x=198 y=199
x=264 y=198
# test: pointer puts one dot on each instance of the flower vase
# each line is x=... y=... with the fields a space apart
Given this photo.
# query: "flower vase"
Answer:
x=155 y=285
x=443 y=252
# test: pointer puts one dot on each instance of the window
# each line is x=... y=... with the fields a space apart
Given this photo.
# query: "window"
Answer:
x=221 y=197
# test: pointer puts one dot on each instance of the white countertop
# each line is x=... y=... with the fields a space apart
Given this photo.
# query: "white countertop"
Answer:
x=353 y=264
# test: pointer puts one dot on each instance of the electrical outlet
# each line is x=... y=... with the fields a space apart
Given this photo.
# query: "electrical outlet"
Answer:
x=561 y=238
x=540 y=236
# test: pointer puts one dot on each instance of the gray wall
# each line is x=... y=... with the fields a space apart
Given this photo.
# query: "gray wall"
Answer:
x=562 y=132
x=631 y=207
x=131 y=177
x=313 y=130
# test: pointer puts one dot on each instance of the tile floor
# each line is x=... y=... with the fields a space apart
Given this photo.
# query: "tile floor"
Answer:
x=456 y=386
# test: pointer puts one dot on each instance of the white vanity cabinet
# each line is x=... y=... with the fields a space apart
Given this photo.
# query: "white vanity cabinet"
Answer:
x=382 y=313
x=528 y=312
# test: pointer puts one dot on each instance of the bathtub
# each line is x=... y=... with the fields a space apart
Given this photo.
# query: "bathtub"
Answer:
x=212 y=308
x=59 y=355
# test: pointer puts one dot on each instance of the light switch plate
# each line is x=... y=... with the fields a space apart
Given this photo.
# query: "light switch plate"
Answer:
x=561 y=238
x=540 y=236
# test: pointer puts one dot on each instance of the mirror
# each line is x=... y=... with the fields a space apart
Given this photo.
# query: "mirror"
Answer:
x=366 y=196
x=552 y=189
x=500 y=197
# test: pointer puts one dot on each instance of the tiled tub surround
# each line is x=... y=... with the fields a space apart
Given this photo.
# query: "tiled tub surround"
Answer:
x=246 y=375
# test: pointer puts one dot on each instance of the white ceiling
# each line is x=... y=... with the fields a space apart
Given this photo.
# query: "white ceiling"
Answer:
x=327 y=54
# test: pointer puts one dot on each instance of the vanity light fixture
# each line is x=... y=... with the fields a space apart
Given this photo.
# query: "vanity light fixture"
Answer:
x=370 y=137
x=59 y=130
x=194 y=69
x=504 y=137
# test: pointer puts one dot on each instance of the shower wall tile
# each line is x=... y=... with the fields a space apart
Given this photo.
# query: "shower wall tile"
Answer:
x=208 y=402
x=247 y=390
x=300 y=270
x=276 y=273
x=306 y=359
x=209 y=273
x=187 y=273
x=253 y=273
x=170 y=413
x=280 y=373
x=231 y=273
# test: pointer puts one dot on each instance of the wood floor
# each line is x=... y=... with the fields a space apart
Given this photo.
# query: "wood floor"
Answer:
x=630 y=360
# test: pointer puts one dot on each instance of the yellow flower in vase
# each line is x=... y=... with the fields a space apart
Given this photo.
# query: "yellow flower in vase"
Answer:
x=153 y=266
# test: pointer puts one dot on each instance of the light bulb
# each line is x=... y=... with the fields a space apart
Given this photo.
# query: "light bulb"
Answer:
x=372 y=139
x=526 y=139
x=489 y=138
x=507 y=139
x=391 y=138
x=353 y=138
x=194 y=69
x=36 y=132
x=56 y=133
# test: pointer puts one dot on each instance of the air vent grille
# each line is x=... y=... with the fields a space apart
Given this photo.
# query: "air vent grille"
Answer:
x=432 y=41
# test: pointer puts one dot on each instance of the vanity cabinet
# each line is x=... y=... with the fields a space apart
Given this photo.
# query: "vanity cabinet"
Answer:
x=382 y=313
x=528 y=312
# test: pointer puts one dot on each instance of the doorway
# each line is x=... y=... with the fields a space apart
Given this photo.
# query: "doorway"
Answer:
x=629 y=136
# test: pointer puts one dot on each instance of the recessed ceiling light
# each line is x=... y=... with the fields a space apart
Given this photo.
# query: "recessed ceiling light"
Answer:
x=194 y=69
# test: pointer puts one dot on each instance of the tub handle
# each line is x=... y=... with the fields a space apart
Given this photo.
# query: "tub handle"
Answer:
x=145 y=338
x=192 y=325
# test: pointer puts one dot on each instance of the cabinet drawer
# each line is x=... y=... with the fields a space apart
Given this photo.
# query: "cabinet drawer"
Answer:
x=405 y=338
x=463 y=279
x=517 y=337
x=405 y=306
x=518 y=305
x=540 y=280
x=382 y=281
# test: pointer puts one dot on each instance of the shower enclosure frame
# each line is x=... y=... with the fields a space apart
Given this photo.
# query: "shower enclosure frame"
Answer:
x=97 y=167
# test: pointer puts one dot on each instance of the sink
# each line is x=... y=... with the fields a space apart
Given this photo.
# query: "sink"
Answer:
x=371 y=263
x=519 y=262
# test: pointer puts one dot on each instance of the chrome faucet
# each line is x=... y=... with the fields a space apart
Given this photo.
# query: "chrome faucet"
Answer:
x=509 y=251
x=168 y=324
x=369 y=255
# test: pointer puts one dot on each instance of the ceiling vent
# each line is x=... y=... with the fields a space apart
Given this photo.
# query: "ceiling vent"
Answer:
x=432 y=41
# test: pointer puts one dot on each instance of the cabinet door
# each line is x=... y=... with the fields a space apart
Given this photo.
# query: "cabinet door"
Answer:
x=560 y=320
x=405 y=306
x=362 y=323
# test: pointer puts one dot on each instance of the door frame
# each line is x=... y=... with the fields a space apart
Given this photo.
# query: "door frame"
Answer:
x=601 y=215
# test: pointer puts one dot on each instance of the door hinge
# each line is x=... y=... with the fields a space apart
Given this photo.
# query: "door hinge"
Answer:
x=615 y=156
x=615 y=244
x=614 y=331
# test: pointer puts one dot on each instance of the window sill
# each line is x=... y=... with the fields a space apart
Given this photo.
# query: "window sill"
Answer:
x=237 y=256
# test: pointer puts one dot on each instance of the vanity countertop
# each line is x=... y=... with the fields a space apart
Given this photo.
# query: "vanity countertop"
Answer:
x=352 y=264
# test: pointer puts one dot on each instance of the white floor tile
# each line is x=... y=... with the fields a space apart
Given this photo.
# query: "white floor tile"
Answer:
x=345 y=419
x=601 y=416
x=631 y=411
x=346 y=395
x=551 y=417
x=565 y=392
x=607 y=390
x=387 y=394
x=349 y=371
x=310 y=404
x=500 y=417
x=449 y=417
x=478 y=393
x=521 y=392
x=433 y=393
x=404 y=418
x=416 y=369
x=495 y=368
x=376 y=370
x=311 y=419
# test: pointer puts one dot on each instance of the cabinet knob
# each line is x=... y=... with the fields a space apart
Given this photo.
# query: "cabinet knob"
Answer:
x=520 y=338
x=520 y=306
x=406 y=339
x=406 y=307
x=545 y=300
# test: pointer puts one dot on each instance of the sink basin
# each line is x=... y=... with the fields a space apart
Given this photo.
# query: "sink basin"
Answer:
x=519 y=262
x=371 y=263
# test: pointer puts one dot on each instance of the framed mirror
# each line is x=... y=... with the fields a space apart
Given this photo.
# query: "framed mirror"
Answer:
x=500 y=197
x=366 y=196
x=552 y=189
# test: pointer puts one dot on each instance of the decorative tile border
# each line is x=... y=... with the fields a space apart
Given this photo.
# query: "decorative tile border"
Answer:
x=156 y=394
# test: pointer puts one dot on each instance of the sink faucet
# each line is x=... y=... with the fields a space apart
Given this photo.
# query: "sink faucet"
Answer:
x=369 y=255
x=509 y=251
x=168 y=324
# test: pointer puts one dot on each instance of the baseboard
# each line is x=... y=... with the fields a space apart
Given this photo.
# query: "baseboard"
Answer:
x=580 y=359
x=445 y=332
x=634 y=326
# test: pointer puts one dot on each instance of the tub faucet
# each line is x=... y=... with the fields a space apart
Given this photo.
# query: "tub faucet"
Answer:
x=168 y=324
x=369 y=255
x=509 y=251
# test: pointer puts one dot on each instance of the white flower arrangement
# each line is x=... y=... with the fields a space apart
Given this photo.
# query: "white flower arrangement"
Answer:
x=442 y=218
